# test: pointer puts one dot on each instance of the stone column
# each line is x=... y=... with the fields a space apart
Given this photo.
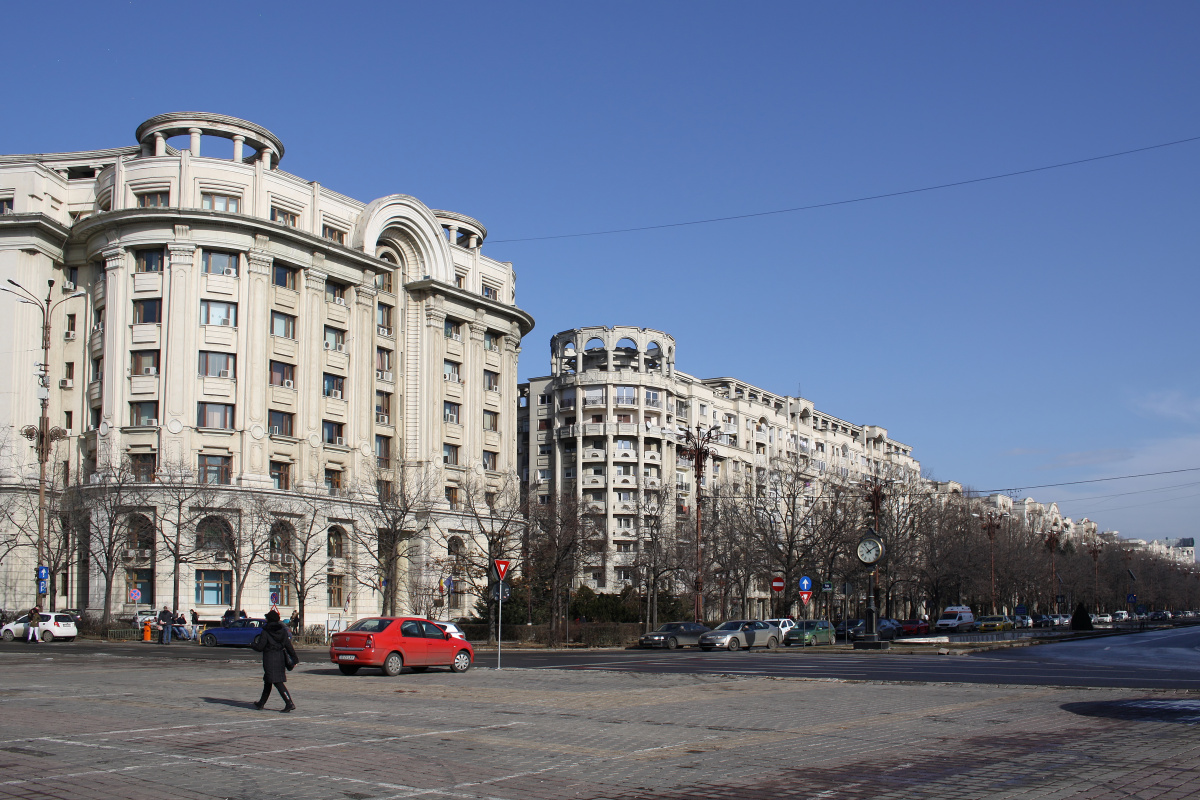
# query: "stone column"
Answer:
x=311 y=367
x=423 y=416
x=361 y=408
x=114 y=412
x=266 y=161
x=238 y=141
x=178 y=354
x=253 y=377
x=195 y=148
x=160 y=145
x=452 y=232
x=473 y=424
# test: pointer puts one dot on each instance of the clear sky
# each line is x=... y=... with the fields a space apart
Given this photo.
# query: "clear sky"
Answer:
x=1024 y=331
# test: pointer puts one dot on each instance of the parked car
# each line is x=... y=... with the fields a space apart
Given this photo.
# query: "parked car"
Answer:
x=785 y=624
x=809 y=632
x=887 y=629
x=914 y=627
x=1104 y=619
x=1022 y=621
x=738 y=633
x=1120 y=616
x=1160 y=615
x=956 y=618
x=51 y=625
x=1062 y=620
x=674 y=634
x=995 y=623
x=239 y=633
x=1042 y=621
x=452 y=629
x=840 y=630
x=393 y=643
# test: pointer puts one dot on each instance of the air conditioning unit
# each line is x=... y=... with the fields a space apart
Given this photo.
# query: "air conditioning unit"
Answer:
x=381 y=419
x=387 y=376
x=150 y=423
x=66 y=383
x=227 y=322
x=276 y=558
x=143 y=553
x=339 y=440
x=287 y=558
x=70 y=432
x=378 y=374
x=384 y=331
x=274 y=430
x=340 y=347
x=341 y=301
x=68 y=286
x=149 y=370
x=289 y=385
x=221 y=555
x=98 y=327
x=131 y=553
x=328 y=345
x=456 y=337
x=69 y=336
x=229 y=272
x=224 y=373
x=335 y=394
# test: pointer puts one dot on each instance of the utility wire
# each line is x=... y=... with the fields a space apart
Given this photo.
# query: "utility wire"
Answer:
x=1093 y=480
x=832 y=203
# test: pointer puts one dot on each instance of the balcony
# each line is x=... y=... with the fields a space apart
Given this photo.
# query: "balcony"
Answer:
x=592 y=454
x=651 y=483
x=624 y=480
x=567 y=432
x=594 y=400
x=625 y=401
x=594 y=480
x=652 y=457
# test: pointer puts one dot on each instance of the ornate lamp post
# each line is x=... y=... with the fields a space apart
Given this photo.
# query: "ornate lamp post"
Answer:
x=1052 y=537
x=990 y=522
x=1095 y=547
x=697 y=447
x=42 y=435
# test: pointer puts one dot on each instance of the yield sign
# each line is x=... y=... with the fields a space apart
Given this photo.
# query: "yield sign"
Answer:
x=806 y=585
x=805 y=596
x=501 y=568
x=777 y=584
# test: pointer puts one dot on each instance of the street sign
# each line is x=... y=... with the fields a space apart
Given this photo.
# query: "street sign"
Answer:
x=805 y=596
x=777 y=584
x=274 y=598
x=1062 y=598
x=43 y=573
x=806 y=584
x=135 y=595
x=43 y=587
x=827 y=586
x=1020 y=611
x=501 y=591
x=501 y=568
x=1131 y=598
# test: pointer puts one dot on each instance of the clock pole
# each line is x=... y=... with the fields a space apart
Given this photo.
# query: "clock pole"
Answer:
x=870 y=553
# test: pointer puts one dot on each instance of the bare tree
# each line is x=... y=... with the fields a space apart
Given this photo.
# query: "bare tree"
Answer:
x=248 y=542
x=307 y=512
x=559 y=532
x=660 y=559
x=784 y=515
x=184 y=501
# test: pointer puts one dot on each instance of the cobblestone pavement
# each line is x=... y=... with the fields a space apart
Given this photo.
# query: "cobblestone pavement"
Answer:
x=107 y=726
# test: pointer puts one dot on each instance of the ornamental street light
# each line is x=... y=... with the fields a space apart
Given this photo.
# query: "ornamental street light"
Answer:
x=42 y=435
x=1052 y=537
x=697 y=447
x=1095 y=547
x=991 y=521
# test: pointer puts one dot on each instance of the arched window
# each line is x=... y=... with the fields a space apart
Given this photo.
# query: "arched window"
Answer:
x=337 y=543
x=281 y=536
x=627 y=344
x=595 y=343
x=568 y=349
x=214 y=533
x=141 y=532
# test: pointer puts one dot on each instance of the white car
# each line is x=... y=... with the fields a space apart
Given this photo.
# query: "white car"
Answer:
x=1022 y=621
x=784 y=625
x=53 y=625
x=1104 y=619
x=452 y=629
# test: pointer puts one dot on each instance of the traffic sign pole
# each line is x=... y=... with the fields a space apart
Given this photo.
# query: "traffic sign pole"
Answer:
x=501 y=571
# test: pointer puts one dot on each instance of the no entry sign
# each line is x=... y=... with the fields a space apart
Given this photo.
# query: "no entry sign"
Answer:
x=777 y=584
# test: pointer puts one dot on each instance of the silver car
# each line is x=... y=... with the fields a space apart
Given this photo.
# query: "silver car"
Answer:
x=739 y=633
x=673 y=634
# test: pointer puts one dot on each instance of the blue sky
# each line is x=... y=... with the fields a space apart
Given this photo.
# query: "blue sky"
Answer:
x=1031 y=330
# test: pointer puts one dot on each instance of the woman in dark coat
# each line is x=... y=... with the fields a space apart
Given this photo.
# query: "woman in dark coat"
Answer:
x=278 y=657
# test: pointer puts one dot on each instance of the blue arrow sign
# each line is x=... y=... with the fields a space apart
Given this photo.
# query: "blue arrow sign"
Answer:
x=43 y=573
x=806 y=584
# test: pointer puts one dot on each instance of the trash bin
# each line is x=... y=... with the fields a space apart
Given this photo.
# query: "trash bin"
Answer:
x=146 y=637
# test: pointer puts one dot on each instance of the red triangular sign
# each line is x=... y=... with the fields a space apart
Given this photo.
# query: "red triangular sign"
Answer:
x=501 y=568
x=804 y=597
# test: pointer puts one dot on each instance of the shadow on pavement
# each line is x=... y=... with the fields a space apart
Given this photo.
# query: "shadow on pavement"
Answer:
x=1140 y=710
x=225 y=701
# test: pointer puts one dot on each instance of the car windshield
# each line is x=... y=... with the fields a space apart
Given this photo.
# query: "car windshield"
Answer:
x=992 y=619
x=949 y=615
x=809 y=625
x=732 y=625
x=370 y=625
x=671 y=626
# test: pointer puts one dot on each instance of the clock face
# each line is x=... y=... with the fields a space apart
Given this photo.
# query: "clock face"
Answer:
x=870 y=550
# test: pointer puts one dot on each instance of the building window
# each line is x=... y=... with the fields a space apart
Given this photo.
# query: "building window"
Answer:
x=460 y=280
x=289 y=218
x=450 y=372
x=283 y=325
x=383 y=359
x=491 y=421
x=6 y=205
x=383 y=403
x=283 y=374
x=452 y=330
x=217 y=365
x=335 y=292
x=153 y=199
x=280 y=423
x=331 y=432
x=490 y=460
x=144 y=415
x=333 y=386
x=383 y=315
x=333 y=481
x=450 y=412
x=217 y=312
x=71 y=322
x=149 y=260
x=333 y=234
x=213 y=587
x=491 y=341
x=143 y=466
x=491 y=380
x=383 y=452
x=147 y=311
x=281 y=588
x=336 y=590
x=98 y=369
x=450 y=454
x=336 y=546
x=452 y=497
x=383 y=281
x=214 y=415
x=491 y=292
x=219 y=202
x=215 y=469
x=145 y=362
x=281 y=475
x=335 y=339
x=216 y=262
x=284 y=276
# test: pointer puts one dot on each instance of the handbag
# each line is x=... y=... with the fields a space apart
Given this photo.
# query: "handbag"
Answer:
x=288 y=661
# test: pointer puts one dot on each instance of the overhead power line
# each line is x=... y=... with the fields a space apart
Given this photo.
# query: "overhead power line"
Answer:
x=1092 y=480
x=832 y=203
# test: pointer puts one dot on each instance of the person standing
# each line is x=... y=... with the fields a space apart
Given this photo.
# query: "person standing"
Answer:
x=31 y=630
x=228 y=617
x=195 y=624
x=295 y=623
x=278 y=657
x=165 y=619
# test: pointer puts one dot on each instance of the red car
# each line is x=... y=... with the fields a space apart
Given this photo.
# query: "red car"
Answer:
x=914 y=627
x=393 y=643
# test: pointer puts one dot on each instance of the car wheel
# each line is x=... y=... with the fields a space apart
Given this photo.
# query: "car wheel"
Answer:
x=47 y=636
x=8 y=636
x=462 y=662
x=208 y=640
x=672 y=643
x=393 y=664
x=771 y=643
x=733 y=645
x=348 y=669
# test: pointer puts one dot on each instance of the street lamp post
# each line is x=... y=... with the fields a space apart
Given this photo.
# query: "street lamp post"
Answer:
x=698 y=448
x=1052 y=537
x=990 y=521
x=42 y=435
x=1095 y=546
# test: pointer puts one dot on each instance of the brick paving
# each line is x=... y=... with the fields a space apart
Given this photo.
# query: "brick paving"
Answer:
x=112 y=726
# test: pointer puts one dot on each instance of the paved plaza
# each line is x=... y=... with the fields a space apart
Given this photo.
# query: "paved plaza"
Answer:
x=116 y=725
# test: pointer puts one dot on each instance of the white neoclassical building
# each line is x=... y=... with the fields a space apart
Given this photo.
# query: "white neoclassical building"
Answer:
x=211 y=310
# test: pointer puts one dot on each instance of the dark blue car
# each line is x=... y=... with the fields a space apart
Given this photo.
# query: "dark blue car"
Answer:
x=239 y=633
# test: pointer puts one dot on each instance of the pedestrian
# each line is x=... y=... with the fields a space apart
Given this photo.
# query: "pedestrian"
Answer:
x=31 y=629
x=165 y=619
x=195 y=624
x=228 y=617
x=242 y=614
x=180 y=629
x=295 y=623
x=278 y=657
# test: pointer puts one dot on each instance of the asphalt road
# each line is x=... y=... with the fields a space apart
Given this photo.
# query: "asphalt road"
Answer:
x=1165 y=659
